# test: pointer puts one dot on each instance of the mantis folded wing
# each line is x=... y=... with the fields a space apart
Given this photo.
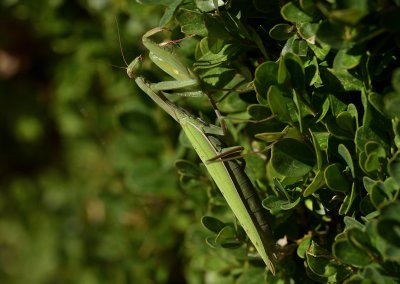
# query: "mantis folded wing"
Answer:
x=229 y=176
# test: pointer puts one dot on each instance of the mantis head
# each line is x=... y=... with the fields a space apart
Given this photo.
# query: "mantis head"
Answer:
x=134 y=66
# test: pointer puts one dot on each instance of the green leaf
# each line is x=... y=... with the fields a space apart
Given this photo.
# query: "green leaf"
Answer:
x=295 y=68
x=208 y=5
x=282 y=31
x=373 y=273
x=317 y=182
x=227 y=238
x=320 y=49
x=348 y=201
x=282 y=71
x=317 y=150
x=259 y=112
x=361 y=240
x=345 y=121
x=191 y=22
x=296 y=46
x=290 y=204
x=349 y=16
x=303 y=246
x=345 y=153
x=337 y=104
x=292 y=12
x=349 y=254
x=351 y=222
x=379 y=196
x=307 y=31
x=273 y=203
x=396 y=130
x=396 y=80
x=334 y=178
x=169 y=13
x=391 y=103
x=335 y=35
x=210 y=59
x=351 y=108
x=355 y=279
x=308 y=6
x=292 y=158
x=323 y=264
x=374 y=148
x=366 y=134
x=389 y=230
x=266 y=75
x=311 y=69
x=212 y=224
x=346 y=80
x=376 y=100
x=217 y=34
x=394 y=167
x=391 y=211
x=278 y=104
x=324 y=110
x=346 y=59
x=232 y=103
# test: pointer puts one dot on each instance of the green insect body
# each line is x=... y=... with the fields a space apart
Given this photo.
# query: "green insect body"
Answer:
x=235 y=186
x=229 y=176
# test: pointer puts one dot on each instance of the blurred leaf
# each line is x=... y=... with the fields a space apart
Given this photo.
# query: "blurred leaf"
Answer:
x=344 y=59
x=334 y=178
x=335 y=35
x=292 y=158
x=227 y=238
x=349 y=254
x=265 y=76
x=208 y=5
x=345 y=153
x=213 y=224
x=192 y=23
x=278 y=104
x=169 y=12
x=394 y=167
x=293 y=13
x=282 y=31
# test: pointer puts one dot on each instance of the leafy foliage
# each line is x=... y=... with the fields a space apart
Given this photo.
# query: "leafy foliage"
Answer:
x=89 y=194
x=331 y=96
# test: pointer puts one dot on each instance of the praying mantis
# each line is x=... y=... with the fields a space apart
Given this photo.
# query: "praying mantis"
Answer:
x=228 y=174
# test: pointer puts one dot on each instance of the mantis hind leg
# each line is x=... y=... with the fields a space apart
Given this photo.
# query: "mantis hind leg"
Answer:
x=228 y=154
x=235 y=153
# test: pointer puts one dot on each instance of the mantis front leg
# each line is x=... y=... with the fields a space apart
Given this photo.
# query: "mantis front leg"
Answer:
x=186 y=82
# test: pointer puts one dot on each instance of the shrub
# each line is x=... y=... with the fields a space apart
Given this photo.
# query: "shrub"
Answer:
x=327 y=76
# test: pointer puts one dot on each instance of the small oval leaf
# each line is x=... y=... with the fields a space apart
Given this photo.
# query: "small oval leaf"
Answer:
x=292 y=158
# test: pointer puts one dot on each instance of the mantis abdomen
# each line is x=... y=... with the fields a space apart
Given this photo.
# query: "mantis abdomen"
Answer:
x=251 y=200
x=234 y=185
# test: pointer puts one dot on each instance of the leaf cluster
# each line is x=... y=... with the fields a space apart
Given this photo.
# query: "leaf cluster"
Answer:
x=322 y=79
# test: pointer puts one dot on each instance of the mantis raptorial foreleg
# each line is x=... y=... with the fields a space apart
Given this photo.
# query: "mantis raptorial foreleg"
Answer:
x=186 y=82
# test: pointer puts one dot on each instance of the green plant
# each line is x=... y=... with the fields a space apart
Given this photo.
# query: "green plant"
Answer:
x=328 y=73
